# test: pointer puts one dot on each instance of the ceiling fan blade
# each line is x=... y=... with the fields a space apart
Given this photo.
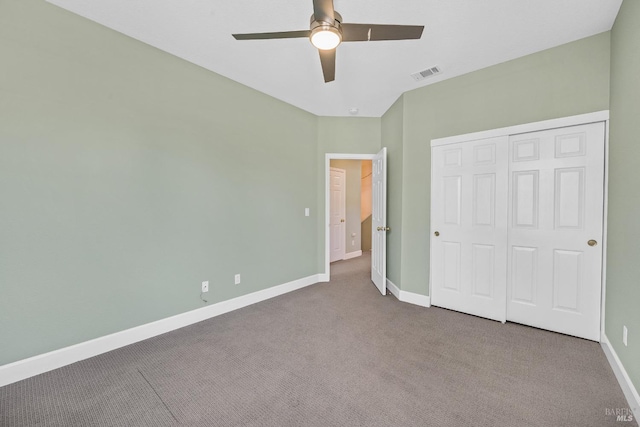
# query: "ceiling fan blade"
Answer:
x=374 y=32
x=328 y=61
x=323 y=11
x=276 y=35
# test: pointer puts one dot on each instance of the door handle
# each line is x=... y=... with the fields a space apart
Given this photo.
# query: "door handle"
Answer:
x=437 y=233
x=342 y=220
x=383 y=228
x=379 y=228
x=592 y=242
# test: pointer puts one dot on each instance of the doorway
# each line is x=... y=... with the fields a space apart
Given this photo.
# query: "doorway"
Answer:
x=375 y=194
x=350 y=208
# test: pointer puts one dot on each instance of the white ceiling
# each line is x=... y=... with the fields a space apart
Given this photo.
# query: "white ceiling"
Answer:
x=460 y=36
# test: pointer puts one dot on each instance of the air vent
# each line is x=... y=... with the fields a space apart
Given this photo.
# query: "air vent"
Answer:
x=421 y=75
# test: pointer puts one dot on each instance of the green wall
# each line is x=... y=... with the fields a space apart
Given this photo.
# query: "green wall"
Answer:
x=346 y=135
x=353 y=176
x=128 y=176
x=567 y=80
x=392 y=138
x=623 y=250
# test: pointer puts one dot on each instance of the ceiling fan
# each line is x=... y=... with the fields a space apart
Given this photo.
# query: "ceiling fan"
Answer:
x=327 y=31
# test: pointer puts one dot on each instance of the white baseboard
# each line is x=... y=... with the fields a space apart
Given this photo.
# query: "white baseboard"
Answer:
x=627 y=386
x=39 y=364
x=354 y=254
x=417 y=299
x=393 y=289
x=410 y=297
x=324 y=277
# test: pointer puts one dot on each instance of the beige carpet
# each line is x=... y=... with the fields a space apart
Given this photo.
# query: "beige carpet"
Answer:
x=334 y=354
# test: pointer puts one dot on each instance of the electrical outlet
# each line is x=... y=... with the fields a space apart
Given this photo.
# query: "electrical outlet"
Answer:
x=237 y=279
x=205 y=286
x=624 y=335
x=306 y=211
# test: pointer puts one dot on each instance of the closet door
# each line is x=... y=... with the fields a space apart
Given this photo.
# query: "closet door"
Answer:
x=469 y=227
x=555 y=229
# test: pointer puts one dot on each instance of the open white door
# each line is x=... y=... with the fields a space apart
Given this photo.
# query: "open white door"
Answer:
x=379 y=221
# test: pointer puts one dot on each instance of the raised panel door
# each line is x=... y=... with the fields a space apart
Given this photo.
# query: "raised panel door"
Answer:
x=469 y=213
x=379 y=221
x=556 y=207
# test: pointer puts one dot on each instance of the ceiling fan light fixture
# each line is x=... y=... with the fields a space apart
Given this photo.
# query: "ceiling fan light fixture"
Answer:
x=325 y=37
x=326 y=33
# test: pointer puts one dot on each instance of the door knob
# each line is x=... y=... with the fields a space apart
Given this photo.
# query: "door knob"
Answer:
x=437 y=233
x=379 y=228
x=387 y=228
x=342 y=220
x=592 y=242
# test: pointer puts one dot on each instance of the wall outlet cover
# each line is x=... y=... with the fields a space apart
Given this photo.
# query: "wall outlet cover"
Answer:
x=237 y=279
x=205 y=286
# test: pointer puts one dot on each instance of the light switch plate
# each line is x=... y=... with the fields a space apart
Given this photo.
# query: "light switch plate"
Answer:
x=306 y=211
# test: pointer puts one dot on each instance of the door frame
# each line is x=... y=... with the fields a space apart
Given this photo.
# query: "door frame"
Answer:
x=325 y=277
x=580 y=119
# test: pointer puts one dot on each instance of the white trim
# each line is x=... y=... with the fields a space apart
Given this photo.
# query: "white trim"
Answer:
x=417 y=299
x=327 y=214
x=581 y=119
x=630 y=392
x=345 y=156
x=354 y=254
x=39 y=364
x=605 y=219
x=393 y=288
x=409 y=297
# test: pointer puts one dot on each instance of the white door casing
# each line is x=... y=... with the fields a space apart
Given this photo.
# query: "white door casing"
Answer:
x=337 y=191
x=379 y=221
x=469 y=227
x=556 y=208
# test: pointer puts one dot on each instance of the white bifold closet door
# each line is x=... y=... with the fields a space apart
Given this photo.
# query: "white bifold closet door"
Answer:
x=516 y=226
x=555 y=229
x=469 y=217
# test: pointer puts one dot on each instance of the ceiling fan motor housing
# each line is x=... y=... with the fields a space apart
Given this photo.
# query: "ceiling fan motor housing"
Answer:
x=322 y=29
x=337 y=18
